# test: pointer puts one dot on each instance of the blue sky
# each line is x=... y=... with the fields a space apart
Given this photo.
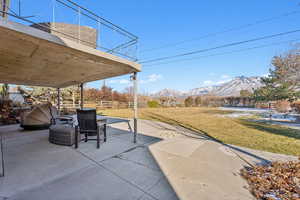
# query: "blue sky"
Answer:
x=159 y=23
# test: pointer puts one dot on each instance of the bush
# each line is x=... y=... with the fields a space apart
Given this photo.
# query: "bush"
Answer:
x=153 y=104
x=188 y=102
x=212 y=101
x=245 y=93
x=262 y=105
x=296 y=106
x=198 y=101
x=282 y=106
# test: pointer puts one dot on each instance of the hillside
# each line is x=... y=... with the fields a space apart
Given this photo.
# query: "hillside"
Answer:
x=230 y=88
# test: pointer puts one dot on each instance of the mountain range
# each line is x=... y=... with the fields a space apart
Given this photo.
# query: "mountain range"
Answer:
x=230 y=88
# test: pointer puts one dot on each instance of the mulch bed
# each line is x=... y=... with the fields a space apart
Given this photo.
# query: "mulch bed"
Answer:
x=7 y=114
x=277 y=181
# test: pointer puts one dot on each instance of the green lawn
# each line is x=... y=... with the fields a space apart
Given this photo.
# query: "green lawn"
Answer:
x=240 y=132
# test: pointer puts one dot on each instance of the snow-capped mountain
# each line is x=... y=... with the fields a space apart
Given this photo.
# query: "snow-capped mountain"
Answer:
x=168 y=93
x=230 y=88
x=201 y=91
x=233 y=87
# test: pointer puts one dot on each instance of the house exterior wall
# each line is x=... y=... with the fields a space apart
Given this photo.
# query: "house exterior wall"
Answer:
x=81 y=34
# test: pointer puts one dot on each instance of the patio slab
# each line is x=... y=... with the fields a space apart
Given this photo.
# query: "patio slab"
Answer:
x=138 y=175
x=179 y=167
x=91 y=183
x=142 y=156
x=30 y=164
x=163 y=190
x=120 y=169
x=142 y=139
x=208 y=172
x=114 y=146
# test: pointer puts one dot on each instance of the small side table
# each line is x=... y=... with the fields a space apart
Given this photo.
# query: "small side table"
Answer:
x=62 y=134
x=103 y=122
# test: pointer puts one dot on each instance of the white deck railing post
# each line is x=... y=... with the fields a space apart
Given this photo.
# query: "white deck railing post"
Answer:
x=2 y=155
x=81 y=96
x=135 y=104
x=58 y=100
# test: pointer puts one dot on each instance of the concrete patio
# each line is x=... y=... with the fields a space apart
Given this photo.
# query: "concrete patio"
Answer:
x=167 y=163
x=120 y=169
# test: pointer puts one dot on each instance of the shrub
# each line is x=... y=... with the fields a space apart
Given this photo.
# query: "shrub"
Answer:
x=188 y=102
x=198 y=101
x=212 y=101
x=283 y=106
x=296 y=106
x=153 y=104
x=245 y=93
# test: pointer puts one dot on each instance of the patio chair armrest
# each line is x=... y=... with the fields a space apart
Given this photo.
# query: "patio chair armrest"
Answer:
x=68 y=120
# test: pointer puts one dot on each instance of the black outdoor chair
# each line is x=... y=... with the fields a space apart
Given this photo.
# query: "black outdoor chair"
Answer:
x=87 y=126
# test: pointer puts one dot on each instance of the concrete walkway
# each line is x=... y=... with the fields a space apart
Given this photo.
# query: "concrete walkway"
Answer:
x=199 y=168
x=167 y=163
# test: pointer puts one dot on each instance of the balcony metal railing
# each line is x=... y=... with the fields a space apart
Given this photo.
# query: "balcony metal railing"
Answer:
x=47 y=14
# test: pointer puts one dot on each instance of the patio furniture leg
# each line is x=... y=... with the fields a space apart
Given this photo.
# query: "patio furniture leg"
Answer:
x=129 y=126
x=76 y=137
x=86 y=137
x=105 y=129
x=98 y=137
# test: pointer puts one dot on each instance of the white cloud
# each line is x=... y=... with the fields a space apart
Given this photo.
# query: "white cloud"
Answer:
x=223 y=81
x=208 y=82
x=219 y=82
x=152 y=78
x=225 y=76
x=124 y=81
x=119 y=81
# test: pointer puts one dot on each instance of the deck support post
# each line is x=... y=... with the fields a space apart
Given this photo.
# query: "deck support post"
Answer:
x=4 y=7
x=135 y=105
x=2 y=155
x=58 y=100
x=81 y=96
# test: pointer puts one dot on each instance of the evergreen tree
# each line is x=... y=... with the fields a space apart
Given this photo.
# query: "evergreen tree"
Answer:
x=284 y=79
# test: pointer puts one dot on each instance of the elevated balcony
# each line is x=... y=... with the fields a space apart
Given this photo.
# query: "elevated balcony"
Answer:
x=66 y=46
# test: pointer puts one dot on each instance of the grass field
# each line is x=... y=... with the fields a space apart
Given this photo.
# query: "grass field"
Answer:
x=239 y=132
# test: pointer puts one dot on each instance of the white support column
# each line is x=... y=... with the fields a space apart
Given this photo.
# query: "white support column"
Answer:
x=81 y=96
x=135 y=104
x=79 y=25
x=2 y=155
x=4 y=6
x=58 y=100
x=53 y=13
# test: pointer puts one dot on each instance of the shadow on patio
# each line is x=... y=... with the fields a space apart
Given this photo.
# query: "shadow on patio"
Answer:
x=120 y=169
